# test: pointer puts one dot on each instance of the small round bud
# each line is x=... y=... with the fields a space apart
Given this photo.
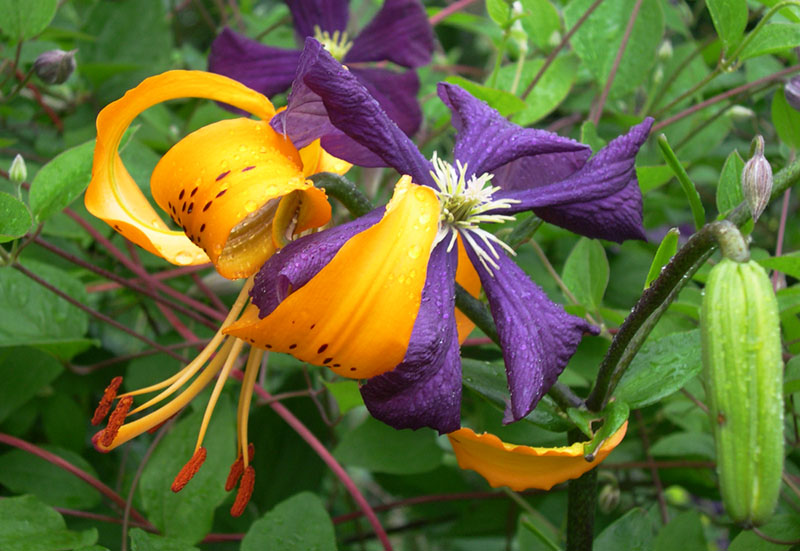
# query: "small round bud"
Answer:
x=792 y=92
x=740 y=113
x=554 y=39
x=665 y=51
x=757 y=179
x=677 y=496
x=18 y=172
x=658 y=74
x=55 y=66
x=608 y=498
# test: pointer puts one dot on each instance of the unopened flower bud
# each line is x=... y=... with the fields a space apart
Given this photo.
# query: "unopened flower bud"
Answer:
x=740 y=113
x=608 y=498
x=517 y=33
x=665 y=51
x=55 y=66
x=18 y=172
x=792 y=92
x=757 y=179
x=554 y=39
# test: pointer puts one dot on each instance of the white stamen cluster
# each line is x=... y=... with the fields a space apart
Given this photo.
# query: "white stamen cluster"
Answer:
x=337 y=43
x=464 y=205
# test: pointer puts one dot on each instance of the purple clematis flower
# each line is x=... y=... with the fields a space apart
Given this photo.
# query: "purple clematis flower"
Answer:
x=399 y=33
x=500 y=169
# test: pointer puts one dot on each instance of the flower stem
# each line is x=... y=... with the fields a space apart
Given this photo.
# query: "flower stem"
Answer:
x=345 y=191
x=582 y=499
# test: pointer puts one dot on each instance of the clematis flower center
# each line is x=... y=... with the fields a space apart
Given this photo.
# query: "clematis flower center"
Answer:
x=465 y=204
x=337 y=43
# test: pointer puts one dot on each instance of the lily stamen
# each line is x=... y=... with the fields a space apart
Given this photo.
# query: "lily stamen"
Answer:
x=189 y=470
x=116 y=421
x=237 y=468
x=245 y=491
x=105 y=402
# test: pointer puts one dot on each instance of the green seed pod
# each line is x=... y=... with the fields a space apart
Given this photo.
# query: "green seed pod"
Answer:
x=743 y=370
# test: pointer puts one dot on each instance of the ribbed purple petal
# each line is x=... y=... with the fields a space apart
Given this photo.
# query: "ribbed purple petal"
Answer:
x=329 y=15
x=424 y=390
x=263 y=68
x=400 y=32
x=299 y=261
x=396 y=93
x=604 y=175
x=537 y=336
x=486 y=141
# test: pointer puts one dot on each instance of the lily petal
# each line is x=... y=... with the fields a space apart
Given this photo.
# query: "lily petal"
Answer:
x=112 y=193
x=358 y=326
x=316 y=160
x=263 y=68
x=328 y=15
x=524 y=467
x=424 y=390
x=486 y=140
x=399 y=32
x=468 y=278
x=537 y=336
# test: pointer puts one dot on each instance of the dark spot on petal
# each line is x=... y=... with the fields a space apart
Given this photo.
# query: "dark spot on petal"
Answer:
x=221 y=176
x=327 y=361
x=292 y=346
x=173 y=210
x=193 y=192
x=251 y=340
x=313 y=325
x=182 y=193
x=205 y=208
x=221 y=193
x=268 y=345
x=202 y=228
x=251 y=167
x=352 y=369
x=190 y=209
x=183 y=208
x=337 y=365
x=322 y=349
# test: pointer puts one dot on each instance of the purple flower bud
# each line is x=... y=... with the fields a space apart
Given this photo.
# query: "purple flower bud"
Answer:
x=55 y=66
x=757 y=179
x=792 y=92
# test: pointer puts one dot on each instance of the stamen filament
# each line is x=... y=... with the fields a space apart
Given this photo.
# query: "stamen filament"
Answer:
x=223 y=376
x=245 y=397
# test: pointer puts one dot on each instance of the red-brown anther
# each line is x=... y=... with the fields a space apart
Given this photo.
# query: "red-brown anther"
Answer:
x=116 y=420
x=105 y=402
x=245 y=491
x=189 y=470
x=237 y=468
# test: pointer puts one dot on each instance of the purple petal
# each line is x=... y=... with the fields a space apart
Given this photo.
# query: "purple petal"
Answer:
x=298 y=262
x=329 y=15
x=400 y=32
x=604 y=175
x=424 y=390
x=396 y=93
x=486 y=141
x=263 y=68
x=537 y=336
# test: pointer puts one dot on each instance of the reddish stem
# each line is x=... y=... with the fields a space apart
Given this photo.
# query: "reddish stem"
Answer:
x=37 y=95
x=449 y=10
x=776 y=275
x=161 y=276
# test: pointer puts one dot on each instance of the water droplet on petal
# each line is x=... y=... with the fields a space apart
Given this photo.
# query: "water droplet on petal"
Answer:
x=414 y=251
x=250 y=206
x=184 y=258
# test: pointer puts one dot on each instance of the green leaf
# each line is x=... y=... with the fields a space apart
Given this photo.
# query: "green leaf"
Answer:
x=144 y=541
x=661 y=367
x=786 y=120
x=773 y=39
x=298 y=524
x=27 y=524
x=24 y=473
x=666 y=250
x=61 y=181
x=380 y=448
x=346 y=394
x=729 y=189
x=689 y=189
x=499 y=11
x=586 y=272
x=549 y=92
x=686 y=528
x=652 y=177
x=505 y=102
x=188 y=515
x=541 y=20
x=789 y=264
x=23 y=20
x=632 y=532
x=682 y=444
x=785 y=527
x=615 y=414
x=589 y=136
x=596 y=42
x=24 y=371
x=15 y=218
x=730 y=20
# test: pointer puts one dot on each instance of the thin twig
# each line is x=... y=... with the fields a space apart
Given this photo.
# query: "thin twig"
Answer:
x=85 y=370
x=662 y=503
x=161 y=276
x=436 y=18
x=776 y=275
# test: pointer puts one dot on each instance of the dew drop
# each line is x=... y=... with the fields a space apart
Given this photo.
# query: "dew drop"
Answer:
x=424 y=218
x=183 y=258
x=414 y=251
x=250 y=206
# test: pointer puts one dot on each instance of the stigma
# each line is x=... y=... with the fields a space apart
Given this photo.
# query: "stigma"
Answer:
x=337 y=43
x=466 y=201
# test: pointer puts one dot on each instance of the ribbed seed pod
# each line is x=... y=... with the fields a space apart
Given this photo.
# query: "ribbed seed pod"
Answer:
x=743 y=370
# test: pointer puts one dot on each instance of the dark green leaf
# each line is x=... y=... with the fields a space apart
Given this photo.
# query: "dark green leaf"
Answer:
x=505 y=102
x=682 y=444
x=772 y=39
x=549 y=92
x=615 y=415
x=660 y=368
x=61 y=181
x=786 y=120
x=378 y=447
x=666 y=250
x=540 y=22
x=632 y=532
x=729 y=189
x=24 y=371
x=144 y=541
x=589 y=136
x=27 y=524
x=298 y=524
x=686 y=528
x=15 y=219
x=652 y=177
x=22 y=20
x=730 y=19
x=346 y=394
x=784 y=527
x=789 y=264
x=586 y=272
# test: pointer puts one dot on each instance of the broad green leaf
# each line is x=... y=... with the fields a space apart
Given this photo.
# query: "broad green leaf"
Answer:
x=61 y=181
x=298 y=524
x=652 y=177
x=632 y=532
x=789 y=264
x=729 y=189
x=586 y=272
x=64 y=421
x=774 y=38
x=24 y=371
x=15 y=219
x=786 y=120
x=730 y=20
x=681 y=444
x=24 y=473
x=27 y=524
x=790 y=12
x=499 y=11
x=541 y=20
x=666 y=250
x=345 y=393
x=188 y=515
x=660 y=368
x=549 y=92
x=144 y=541
x=23 y=19
x=34 y=316
x=505 y=102
x=784 y=527
x=596 y=42
x=380 y=448
x=686 y=528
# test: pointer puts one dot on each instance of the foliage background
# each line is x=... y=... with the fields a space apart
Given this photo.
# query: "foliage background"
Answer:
x=58 y=353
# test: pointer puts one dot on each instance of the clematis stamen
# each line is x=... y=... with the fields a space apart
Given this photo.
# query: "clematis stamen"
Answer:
x=337 y=43
x=105 y=402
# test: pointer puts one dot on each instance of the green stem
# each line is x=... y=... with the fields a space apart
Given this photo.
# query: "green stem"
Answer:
x=345 y=191
x=581 y=499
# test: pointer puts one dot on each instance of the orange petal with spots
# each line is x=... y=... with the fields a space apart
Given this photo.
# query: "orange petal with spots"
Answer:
x=114 y=196
x=524 y=467
x=316 y=159
x=468 y=278
x=222 y=184
x=356 y=315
